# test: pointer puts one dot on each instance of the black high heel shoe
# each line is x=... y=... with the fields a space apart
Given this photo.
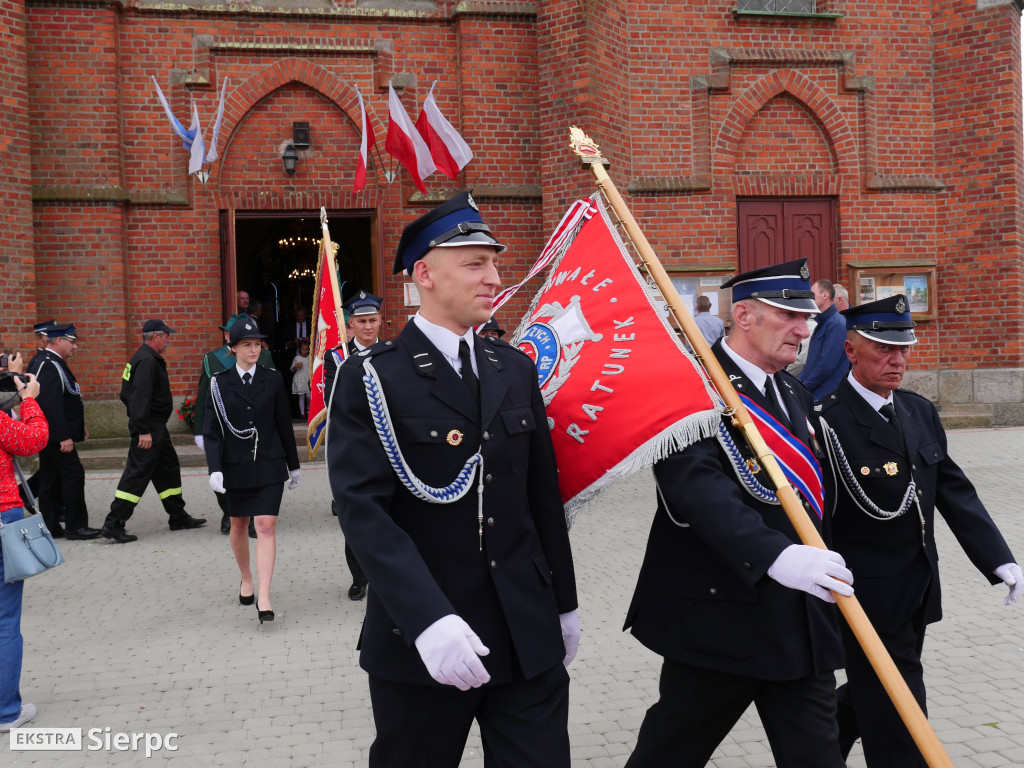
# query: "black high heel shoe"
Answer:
x=245 y=599
x=264 y=615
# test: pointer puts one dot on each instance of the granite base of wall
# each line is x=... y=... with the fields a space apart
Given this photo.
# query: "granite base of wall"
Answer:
x=992 y=397
x=107 y=419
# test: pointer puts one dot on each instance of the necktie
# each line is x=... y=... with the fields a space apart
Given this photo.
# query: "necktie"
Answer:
x=889 y=412
x=247 y=379
x=776 y=405
x=472 y=383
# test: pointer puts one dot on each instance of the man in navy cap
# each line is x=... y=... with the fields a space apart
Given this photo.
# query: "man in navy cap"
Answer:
x=893 y=470
x=364 y=319
x=443 y=470
x=39 y=329
x=146 y=394
x=491 y=328
x=740 y=610
x=61 y=474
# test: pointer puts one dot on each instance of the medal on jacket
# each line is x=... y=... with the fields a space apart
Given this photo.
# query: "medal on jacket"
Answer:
x=890 y=468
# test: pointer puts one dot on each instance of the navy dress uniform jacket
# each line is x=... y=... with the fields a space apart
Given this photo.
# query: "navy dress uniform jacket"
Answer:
x=423 y=560
x=264 y=405
x=62 y=407
x=704 y=597
x=895 y=562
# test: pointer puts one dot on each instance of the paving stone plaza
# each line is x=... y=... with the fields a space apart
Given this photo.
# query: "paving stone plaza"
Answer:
x=149 y=637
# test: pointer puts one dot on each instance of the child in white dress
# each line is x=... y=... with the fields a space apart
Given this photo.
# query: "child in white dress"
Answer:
x=300 y=380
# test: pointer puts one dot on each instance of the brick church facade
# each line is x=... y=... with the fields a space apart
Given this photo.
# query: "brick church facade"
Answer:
x=883 y=140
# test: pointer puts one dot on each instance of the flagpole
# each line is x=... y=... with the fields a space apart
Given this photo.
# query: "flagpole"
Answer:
x=333 y=268
x=890 y=677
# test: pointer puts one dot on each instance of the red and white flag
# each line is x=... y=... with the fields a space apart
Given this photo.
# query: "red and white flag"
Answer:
x=448 y=149
x=367 y=141
x=620 y=389
x=405 y=143
x=330 y=332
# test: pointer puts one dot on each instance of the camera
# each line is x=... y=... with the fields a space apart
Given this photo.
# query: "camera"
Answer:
x=7 y=381
x=4 y=359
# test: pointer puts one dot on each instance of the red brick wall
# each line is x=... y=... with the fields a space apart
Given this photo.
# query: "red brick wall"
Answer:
x=17 y=262
x=909 y=117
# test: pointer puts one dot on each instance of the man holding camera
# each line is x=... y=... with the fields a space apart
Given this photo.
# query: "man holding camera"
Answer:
x=61 y=474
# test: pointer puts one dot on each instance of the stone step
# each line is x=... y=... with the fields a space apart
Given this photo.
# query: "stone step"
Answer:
x=966 y=415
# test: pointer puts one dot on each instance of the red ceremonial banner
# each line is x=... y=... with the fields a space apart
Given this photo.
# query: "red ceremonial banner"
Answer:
x=330 y=322
x=621 y=390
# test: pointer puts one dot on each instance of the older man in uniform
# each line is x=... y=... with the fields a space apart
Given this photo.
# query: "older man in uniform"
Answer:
x=738 y=608
x=893 y=471
x=458 y=522
x=62 y=476
x=146 y=393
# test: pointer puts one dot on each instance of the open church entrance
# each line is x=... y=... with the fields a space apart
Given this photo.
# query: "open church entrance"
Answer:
x=275 y=260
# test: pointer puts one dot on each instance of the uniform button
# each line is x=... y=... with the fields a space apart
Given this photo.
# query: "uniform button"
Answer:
x=487 y=435
x=494 y=565
x=713 y=590
x=387 y=343
x=397 y=631
x=490 y=522
x=488 y=478
x=876 y=469
x=748 y=566
x=433 y=433
x=248 y=407
x=250 y=423
x=523 y=422
x=913 y=466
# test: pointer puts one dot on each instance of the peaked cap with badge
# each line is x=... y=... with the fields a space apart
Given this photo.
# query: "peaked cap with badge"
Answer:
x=244 y=327
x=455 y=222
x=59 y=330
x=886 y=321
x=785 y=285
x=40 y=328
x=363 y=303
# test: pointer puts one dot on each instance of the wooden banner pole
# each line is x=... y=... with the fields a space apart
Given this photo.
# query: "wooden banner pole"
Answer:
x=890 y=677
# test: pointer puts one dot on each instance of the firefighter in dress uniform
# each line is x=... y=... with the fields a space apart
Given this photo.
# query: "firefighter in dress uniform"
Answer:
x=888 y=451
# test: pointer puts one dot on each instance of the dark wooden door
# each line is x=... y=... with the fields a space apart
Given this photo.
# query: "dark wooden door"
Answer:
x=771 y=231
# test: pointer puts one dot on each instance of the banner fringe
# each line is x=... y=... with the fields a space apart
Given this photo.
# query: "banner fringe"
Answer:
x=676 y=437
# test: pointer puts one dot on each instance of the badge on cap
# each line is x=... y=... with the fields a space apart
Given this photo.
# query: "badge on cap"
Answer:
x=471 y=202
x=454 y=437
x=900 y=307
x=890 y=468
x=362 y=294
x=805 y=273
x=248 y=327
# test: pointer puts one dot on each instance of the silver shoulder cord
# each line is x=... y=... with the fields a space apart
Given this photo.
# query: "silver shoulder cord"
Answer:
x=386 y=432
x=250 y=433
x=860 y=498
x=746 y=478
x=74 y=389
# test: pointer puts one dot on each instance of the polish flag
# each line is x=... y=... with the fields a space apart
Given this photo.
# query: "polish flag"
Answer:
x=447 y=147
x=364 y=146
x=405 y=143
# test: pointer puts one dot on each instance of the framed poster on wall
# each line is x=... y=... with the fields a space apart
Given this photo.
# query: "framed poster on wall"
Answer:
x=880 y=280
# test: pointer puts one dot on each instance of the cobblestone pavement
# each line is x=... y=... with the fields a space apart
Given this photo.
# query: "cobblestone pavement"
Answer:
x=149 y=637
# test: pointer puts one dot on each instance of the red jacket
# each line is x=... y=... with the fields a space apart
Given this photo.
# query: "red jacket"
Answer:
x=19 y=438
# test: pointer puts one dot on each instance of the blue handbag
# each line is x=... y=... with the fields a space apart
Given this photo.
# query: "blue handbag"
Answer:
x=28 y=548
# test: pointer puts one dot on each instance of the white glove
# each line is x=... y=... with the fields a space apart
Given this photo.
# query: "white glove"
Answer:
x=813 y=570
x=570 y=635
x=199 y=442
x=451 y=650
x=294 y=475
x=217 y=482
x=1014 y=579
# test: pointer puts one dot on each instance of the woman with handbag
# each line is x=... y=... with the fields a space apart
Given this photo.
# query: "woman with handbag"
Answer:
x=17 y=438
x=250 y=450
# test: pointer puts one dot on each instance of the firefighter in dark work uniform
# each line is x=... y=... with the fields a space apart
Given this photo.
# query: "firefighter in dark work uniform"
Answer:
x=146 y=393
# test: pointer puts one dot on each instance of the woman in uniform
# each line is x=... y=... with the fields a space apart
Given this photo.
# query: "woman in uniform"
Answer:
x=250 y=450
